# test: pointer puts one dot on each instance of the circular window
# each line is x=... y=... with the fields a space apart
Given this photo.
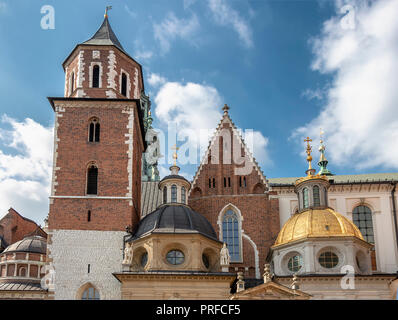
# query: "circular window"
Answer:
x=144 y=259
x=175 y=257
x=328 y=259
x=295 y=263
x=205 y=260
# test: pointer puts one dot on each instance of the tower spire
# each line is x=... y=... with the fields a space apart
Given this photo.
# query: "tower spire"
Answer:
x=323 y=162
x=310 y=171
x=106 y=11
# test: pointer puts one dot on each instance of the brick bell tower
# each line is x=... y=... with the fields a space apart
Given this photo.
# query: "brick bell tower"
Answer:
x=96 y=181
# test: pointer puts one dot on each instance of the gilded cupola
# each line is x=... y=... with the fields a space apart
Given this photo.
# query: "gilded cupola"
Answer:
x=315 y=218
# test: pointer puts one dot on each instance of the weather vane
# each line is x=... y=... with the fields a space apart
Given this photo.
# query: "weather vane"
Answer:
x=106 y=11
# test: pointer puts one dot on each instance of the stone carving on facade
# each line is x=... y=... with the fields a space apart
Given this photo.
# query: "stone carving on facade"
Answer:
x=128 y=254
x=240 y=285
x=294 y=284
x=267 y=273
x=225 y=258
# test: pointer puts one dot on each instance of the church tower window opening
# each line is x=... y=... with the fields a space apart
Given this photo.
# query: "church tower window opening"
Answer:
x=94 y=131
x=96 y=73
x=165 y=195
x=183 y=197
x=305 y=197
x=92 y=180
x=91 y=293
x=124 y=84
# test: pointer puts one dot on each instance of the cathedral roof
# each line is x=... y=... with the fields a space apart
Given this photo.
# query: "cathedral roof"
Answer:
x=317 y=223
x=104 y=36
x=173 y=218
x=34 y=244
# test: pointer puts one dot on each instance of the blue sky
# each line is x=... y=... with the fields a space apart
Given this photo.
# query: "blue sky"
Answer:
x=286 y=68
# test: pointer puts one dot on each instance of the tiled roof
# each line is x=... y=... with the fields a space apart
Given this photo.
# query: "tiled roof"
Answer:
x=34 y=244
x=20 y=286
x=351 y=178
x=151 y=197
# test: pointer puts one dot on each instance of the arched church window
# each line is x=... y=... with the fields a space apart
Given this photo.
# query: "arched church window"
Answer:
x=22 y=272
x=231 y=234
x=124 y=84
x=295 y=263
x=91 y=293
x=96 y=72
x=305 y=197
x=94 y=131
x=165 y=195
x=183 y=194
x=92 y=179
x=317 y=200
x=362 y=217
x=173 y=193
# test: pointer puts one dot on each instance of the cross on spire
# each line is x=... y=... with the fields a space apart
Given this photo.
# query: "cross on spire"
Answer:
x=310 y=171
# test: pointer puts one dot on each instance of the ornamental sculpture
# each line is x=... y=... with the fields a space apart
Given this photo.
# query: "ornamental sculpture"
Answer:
x=225 y=258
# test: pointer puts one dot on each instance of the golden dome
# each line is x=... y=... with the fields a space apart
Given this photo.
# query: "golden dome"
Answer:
x=317 y=223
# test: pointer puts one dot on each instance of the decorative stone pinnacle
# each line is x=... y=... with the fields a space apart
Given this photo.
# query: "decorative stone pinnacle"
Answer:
x=267 y=273
x=225 y=109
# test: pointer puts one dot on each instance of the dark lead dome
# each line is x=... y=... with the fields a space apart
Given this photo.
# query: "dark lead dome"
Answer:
x=174 y=219
x=34 y=244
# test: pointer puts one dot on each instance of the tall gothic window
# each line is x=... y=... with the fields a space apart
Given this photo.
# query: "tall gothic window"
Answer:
x=231 y=234
x=362 y=217
x=173 y=193
x=214 y=182
x=317 y=200
x=94 y=131
x=96 y=72
x=183 y=194
x=165 y=195
x=124 y=84
x=305 y=197
x=92 y=179
x=91 y=293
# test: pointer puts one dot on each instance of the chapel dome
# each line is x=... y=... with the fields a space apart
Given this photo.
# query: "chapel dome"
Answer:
x=33 y=244
x=172 y=219
x=317 y=223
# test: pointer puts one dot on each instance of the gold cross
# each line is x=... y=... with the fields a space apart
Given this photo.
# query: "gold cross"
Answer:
x=309 y=158
x=175 y=156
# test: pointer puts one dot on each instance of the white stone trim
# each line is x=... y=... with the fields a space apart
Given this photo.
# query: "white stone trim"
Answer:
x=80 y=74
x=129 y=142
x=136 y=93
x=256 y=255
x=111 y=75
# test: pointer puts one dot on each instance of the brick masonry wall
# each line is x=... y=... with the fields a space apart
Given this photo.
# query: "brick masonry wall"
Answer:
x=14 y=227
x=260 y=213
x=112 y=63
x=119 y=171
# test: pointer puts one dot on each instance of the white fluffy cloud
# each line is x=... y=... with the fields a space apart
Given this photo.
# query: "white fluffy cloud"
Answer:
x=225 y=15
x=172 y=28
x=25 y=167
x=194 y=110
x=360 y=115
x=156 y=80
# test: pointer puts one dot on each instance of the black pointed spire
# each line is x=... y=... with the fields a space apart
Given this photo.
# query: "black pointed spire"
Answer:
x=105 y=36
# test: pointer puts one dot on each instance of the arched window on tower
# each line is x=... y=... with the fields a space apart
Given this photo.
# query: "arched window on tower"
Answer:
x=92 y=179
x=90 y=293
x=94 y=131
x=165 y=195
x=96 y=72
x=173 y=193
x=231 y=234
x=124 y=84
x=305 y=197
x=362 y=217
x=317 y=200
x=183 y=197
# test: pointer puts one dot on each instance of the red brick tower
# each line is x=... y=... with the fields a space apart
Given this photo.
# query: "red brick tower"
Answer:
x=230 y=190
x=96 y=184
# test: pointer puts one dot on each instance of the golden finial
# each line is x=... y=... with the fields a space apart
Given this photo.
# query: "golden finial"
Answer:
x=309 y=157
x=106 y=11
x=175 y=156
x=225 y=109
